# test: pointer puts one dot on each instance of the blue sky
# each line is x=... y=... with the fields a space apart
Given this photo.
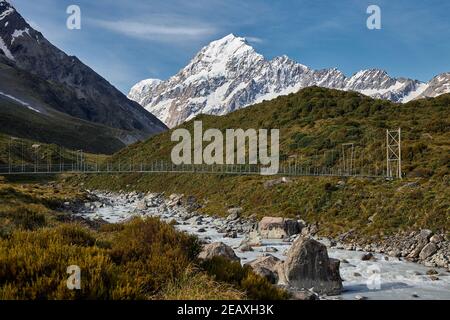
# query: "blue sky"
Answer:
x=127 y=41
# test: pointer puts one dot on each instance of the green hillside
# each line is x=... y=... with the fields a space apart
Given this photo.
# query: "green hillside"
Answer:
x=28 y=153
x=313 y=124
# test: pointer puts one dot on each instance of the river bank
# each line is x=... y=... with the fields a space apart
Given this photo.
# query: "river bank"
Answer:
x=366 y=273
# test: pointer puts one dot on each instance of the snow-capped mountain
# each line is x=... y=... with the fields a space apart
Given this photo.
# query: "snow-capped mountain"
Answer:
x=229 y=74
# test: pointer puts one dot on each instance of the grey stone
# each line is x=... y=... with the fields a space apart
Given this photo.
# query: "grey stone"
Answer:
x=308 y=266
x=266 y=267
x=218 y=249
x=278 y=228
x=436 y=239
x=368 y=257
x=428 y=251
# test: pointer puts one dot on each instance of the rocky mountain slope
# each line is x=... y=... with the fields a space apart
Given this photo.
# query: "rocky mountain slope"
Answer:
x=82 y=93
x=228 y=74
x=29 y=109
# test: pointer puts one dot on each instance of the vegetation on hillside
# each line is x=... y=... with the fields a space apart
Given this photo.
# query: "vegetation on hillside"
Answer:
x=313 y=124
x=29 y=154
x=141 y=259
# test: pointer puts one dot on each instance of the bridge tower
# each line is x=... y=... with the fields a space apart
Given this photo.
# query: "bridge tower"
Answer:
x=348 y=158
x=393 y=154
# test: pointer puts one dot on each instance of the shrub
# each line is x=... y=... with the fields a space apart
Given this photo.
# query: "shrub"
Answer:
x=153 y=253
x=196 y=285
x=145 y=257
x=34 y=267
x=243 y=278
x=26 y=216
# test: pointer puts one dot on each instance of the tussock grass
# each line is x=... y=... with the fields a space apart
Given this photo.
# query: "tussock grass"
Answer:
x=141 y=259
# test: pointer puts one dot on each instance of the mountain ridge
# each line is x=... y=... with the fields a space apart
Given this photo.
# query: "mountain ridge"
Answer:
x=228 y=74
x=84 y=93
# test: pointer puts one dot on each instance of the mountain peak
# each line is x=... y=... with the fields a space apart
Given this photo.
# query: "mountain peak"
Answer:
x=226 y=47
x=93 y=98
x=221 y=57
x=228 y=74
x=229 y=39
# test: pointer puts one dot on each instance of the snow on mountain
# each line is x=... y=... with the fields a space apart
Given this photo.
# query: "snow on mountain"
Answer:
x=142 y=89
x=437 y=86
x=23 y=103
x=228 y=74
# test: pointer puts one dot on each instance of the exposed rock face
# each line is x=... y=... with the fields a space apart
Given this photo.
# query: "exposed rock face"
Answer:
x=437 y=86
x=218 y=249
x=228 y=74
x=278 y=228
x=308 y=266
x=82 y=92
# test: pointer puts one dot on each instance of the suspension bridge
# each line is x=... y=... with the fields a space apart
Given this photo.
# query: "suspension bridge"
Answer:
x=35 y=160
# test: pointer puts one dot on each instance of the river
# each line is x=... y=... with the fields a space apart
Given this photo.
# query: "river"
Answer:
x=385 y=278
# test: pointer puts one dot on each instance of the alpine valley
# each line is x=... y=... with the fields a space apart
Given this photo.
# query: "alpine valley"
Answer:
x=228 y=74
x=88 y=179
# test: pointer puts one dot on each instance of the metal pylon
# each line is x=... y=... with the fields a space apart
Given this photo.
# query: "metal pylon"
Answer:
x=393 y=154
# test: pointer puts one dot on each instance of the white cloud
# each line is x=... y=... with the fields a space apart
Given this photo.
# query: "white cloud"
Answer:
x=157 y=29
x=254 y=39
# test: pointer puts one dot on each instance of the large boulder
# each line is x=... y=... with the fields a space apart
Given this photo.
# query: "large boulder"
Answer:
x=278 y=228
x=218 y=249
x=266 y=267
x=308 y=267
x=428 y=251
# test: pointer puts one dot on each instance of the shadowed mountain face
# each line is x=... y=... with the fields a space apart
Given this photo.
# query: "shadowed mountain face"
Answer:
x=83 y=93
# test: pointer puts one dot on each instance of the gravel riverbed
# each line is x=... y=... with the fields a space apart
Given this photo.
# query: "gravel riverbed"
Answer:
x=381 y=277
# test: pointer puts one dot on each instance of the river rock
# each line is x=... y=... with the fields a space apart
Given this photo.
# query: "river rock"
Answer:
x=431 y=272
x=425 y=234
x=245 y=247
x=141 y=205
x=254 y=239
x=436 y=239
x=192 y=204
x=234 y=213
x=310 y=230
x=308 y=266
x=231 y=234
x=266 y=267
x=303 y=295
x=428 y=251
x=278 y=228
x=416 y=251
x=153 y=200
x=175 y=200
x=218 y=249
x=368 y=257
